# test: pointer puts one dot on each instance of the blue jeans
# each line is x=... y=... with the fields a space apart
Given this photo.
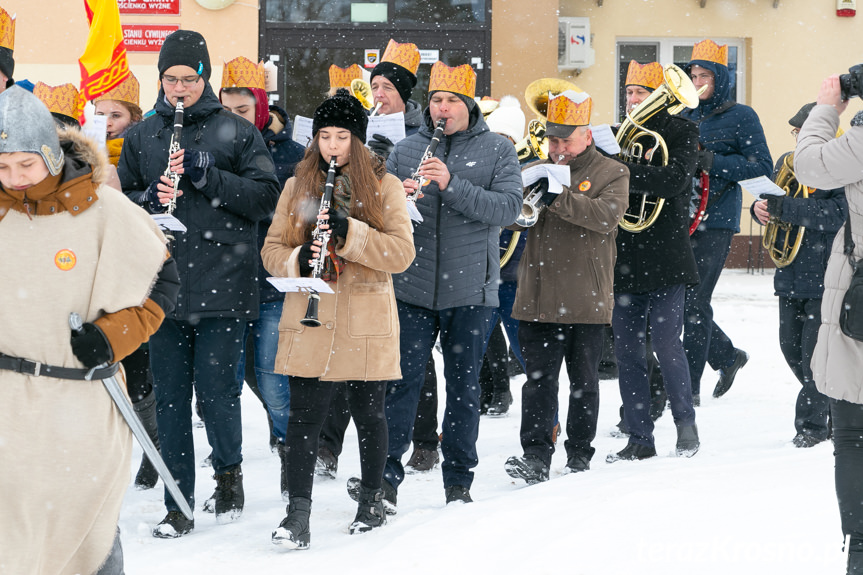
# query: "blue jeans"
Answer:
x=203 y=356
x=462 y=334
x=703 y=340
x=273 y=386
x=506 y=295
x=663 y=308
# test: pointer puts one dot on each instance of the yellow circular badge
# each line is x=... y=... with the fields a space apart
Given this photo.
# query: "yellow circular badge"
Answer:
x=584 y=186
x=65 y=260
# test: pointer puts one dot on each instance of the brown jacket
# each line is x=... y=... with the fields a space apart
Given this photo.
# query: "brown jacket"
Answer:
x=566 y=273
x=359 y=334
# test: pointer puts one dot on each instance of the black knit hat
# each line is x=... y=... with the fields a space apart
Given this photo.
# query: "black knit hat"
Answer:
x=7 y=65
x=400 y=76
x=341 y=111
x=797 y=120
x=185 y=48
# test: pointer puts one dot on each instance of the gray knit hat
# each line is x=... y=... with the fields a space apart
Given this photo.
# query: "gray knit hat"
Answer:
x=26 y=125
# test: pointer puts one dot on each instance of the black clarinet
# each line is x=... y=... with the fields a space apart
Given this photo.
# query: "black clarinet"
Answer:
x=311 y=319
x=175 y=147
x=429 y=153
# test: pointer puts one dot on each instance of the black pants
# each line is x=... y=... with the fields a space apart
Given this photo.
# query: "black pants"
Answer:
x=139 y=378
x=493 y=375
x=544 y=347
x=799 y=320
x=310 y=400
x=848 y=453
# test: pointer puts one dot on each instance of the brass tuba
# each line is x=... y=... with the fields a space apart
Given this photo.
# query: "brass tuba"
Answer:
x=536 y=96
x=783 y=248
x=362 y=91
x=676 y=93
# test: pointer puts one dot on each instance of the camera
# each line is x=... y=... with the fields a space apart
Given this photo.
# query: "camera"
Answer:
x=851 y=84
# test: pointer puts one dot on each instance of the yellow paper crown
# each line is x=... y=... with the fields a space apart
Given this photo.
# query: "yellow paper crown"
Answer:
x=342 y=77
x=648 y=75
x=458 y=80
x=7 y=30
x=405 y=55
x=128 y=91
x=243 y=73
x=62 y=99
x=562 y=109
x=710 y=51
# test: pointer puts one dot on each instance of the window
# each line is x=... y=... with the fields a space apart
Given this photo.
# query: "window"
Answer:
x=432 y=12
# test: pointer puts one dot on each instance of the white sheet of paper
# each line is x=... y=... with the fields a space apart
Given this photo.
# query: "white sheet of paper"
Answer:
x=168 y=222
x=413 y=212
x=761 y=187
x=604 y=138
x=302 y=131
x=392 y=126
x=300 y=285
x=558 y=176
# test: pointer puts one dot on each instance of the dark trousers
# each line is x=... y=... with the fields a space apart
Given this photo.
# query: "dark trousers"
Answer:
x=310 y=400
x=848 y=453
x=462 y=334
x=799 y=320
x=545 y=346
x=663 y=309
x=493 y=375
x=202 y=356
x=139 y=378
x=703 y=340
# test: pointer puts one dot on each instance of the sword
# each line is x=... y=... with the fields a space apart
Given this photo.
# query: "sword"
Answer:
x=128 y=413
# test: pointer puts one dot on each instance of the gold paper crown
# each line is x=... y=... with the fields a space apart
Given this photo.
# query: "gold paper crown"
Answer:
x=648 y=75
x=711 y=52
x=243 y=73
x=458 y=80
x=405 y=55
x=342 y=77
x=128 y=91
x=563 y=110
x=7 y=30
x=62 y=99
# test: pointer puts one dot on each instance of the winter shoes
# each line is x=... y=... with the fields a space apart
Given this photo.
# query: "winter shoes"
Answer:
x=501 y=399
x=145 y=409
x=370 y=510
x=632 y=452
x=228 y=499
x=577 y=464
x=530 y=468
x=804 y=440
x=327 y=463
x=389 y=494
x=422 y=460
x=293 y=531
x=173 y=525
x=687 y=440
x=457 y=494
x=726 y=376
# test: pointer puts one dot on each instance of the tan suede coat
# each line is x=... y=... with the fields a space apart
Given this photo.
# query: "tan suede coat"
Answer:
x=359 y=336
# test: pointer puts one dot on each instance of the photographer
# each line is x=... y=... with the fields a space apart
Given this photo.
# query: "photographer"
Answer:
x=824 y=161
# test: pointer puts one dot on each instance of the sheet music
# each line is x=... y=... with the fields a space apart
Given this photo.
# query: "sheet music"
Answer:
x=392 y=126
x=604 y=138
x=558 y=176
x=300 y=285
x=168 y=222
x=761 y=187
x=302 y=131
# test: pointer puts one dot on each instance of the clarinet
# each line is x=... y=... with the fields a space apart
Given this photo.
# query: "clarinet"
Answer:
x=430 y=150
x=311 y=319
x=175 y=147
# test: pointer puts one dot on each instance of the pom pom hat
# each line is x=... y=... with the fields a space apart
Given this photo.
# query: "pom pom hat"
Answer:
x=341 y=111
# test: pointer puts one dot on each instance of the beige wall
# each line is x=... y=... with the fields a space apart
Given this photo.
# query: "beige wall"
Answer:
x=50 y=37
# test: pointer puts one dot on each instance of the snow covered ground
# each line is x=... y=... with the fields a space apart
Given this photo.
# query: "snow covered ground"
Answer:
x=748 y=502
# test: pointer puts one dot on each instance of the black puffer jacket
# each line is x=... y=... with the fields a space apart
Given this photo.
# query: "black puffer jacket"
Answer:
x=216 y=256
x=661 y=255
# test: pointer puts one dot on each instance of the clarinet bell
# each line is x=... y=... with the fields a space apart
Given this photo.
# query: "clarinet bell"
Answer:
x=311 y=319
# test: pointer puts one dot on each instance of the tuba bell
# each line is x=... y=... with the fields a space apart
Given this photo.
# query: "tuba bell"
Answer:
x=676 y=93
x=782 y=239
x=362 y=91
x=535 y=145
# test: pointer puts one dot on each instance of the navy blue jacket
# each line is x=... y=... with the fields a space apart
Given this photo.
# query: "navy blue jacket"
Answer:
x=740 y=152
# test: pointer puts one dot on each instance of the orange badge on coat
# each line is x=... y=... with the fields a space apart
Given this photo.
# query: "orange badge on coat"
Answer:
x=65 y=260
x=584 y=186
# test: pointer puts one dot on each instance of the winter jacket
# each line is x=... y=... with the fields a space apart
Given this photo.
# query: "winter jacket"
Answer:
x=458 y=258
x=823 y=161
x=358 y=339
x=820 y=215
x=566 y=272
x=216 y=256
x=740 y=152
x=413 y=117
x=661 y=255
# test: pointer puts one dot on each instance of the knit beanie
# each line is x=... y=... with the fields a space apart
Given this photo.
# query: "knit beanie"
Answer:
x=342 y=111
x=507 y=119
x=400 y=76
x=185 y=48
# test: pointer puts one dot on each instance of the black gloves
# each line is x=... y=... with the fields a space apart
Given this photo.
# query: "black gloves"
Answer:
x=338 y=223
x=541 y=186
x=306 y=254
x=381 y=145
x=195 y=165
x=91 y=346
x=774 y=206
x=152 y=199
x=705 y=161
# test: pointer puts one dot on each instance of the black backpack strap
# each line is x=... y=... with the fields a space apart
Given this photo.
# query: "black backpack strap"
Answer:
x=849 y=244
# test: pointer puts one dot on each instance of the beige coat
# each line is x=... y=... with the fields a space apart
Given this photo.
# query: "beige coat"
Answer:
x=359 y=334
x=823 y=161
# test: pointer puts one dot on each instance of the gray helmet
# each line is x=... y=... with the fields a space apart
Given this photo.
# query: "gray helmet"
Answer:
x=26 y=125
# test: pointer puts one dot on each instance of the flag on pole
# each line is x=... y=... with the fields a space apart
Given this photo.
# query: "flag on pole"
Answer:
x=103 y=64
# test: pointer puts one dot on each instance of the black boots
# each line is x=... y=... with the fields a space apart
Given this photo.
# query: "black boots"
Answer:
x=173 y=525
x=145 y=409
x=370 y=510
x=229 y=495
x=457 y=494
x=390 y=495
x=293 y=532
x=687 y=440
x=501 y=399
x=632 y=452
x=530 y=468
x=283 y=458
x=726 y=376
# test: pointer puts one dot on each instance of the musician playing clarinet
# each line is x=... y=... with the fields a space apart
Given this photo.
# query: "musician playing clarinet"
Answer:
x=354 y=245
x=226 y=184
x=474 y=187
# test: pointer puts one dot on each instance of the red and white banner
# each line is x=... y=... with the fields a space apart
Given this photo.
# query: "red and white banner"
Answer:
x=146 y=37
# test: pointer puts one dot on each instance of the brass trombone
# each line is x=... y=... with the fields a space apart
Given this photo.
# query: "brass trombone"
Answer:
x=783 y=248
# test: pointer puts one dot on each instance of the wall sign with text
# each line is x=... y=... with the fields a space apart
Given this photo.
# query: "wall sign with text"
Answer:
x=164 y=7
x=146 y=37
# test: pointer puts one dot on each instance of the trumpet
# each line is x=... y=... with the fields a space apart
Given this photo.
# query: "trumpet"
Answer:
x=429 y=153
x=172 y=148
x=311 y=319
x=530 y=207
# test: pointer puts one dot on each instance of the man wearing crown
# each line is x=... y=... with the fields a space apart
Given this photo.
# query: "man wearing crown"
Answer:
x=565 y=290
x=7 y=45
x=653 y=268
x=474 y=188
x=732 y=148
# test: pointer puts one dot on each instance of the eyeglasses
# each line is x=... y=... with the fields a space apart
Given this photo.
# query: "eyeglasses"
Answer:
x=187 y=81
x=795 y=132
